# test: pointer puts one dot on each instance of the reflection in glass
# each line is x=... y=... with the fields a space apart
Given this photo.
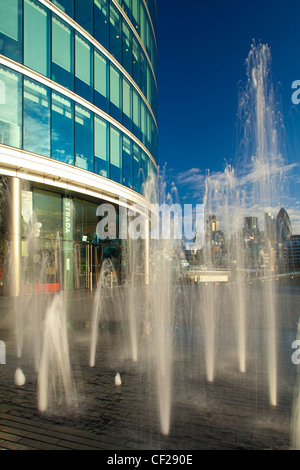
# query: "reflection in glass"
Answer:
x=115 y=155
x=83 y=68
x=36 y=37
x=137 y=168
x=84 y=138
x=11 y=29
x=143 y=123
x=115 y=33
x=62 y=53
x=144 y=171
x=47 y=209
x=136 y=114
x=115 y=94
x=101 y=147
x=10 y=108
x=65 y=5
x=135 y=19
x=101 y=97
x=127 y=48
x=136 y=68
x=84 y=14
x=127 y=100
x=126 y=5
x=127 y=163
x=62 y=144
x=101 y=32
x=36 y=118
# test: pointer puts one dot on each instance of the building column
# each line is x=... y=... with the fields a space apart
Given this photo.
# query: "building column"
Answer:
x=15 y=288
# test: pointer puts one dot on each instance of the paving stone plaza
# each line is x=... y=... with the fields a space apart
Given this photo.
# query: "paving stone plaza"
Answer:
x=232 y=413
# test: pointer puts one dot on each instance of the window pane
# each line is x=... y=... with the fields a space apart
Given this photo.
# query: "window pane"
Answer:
x=10 y=108
x=127 y=162
x=144 y=171
x=115 y=93
x=126 y=4
x=101 y=147
x=136 y=114
x=36 y=118
x=142 y=24
x=47 y=207
x=83 y=68
x=11 y=29
x=36 y=37
x=127 y=104
x=65 y=5
x=101 y=22
x=84 y=138
x=143 y=123
x=115 y=155
x=115 y=33
x=84 y=14
x=137 y=168
x=143 y=84
x=136 y=14
x=62 y=129
x=136 y=62
x=127 y=48
x=101 y=81
x=62 y=57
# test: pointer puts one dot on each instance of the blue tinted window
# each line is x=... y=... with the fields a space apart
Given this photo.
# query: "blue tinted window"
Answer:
x=127 y=104
x=84 y=14
x=115 y=155
x=127 y=48
x=144 y=171
x=101 y=29
x=83 y=68
x=65 y=5
x=135 y=19
x=36 y=37
x=10 y=108
x=62 y=53
x=136 y=62
x=62 y=144
x=101 y=81
x=137 y=168
x=143 y=83
x=115 y=33
x=84 y=146
x=36 y=118
x=101 y=147
x=136 y=114
x=126 y=5
x=127 y=162
x=11 y=29
x=115 y=94
x=143 y=123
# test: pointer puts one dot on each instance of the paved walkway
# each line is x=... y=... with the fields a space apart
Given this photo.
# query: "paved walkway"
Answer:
x=231 y=413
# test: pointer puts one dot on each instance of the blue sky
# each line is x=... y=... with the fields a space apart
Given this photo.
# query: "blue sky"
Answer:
x=202 y=50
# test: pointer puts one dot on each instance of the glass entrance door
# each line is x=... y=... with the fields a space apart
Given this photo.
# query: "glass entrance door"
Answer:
x=86 y=265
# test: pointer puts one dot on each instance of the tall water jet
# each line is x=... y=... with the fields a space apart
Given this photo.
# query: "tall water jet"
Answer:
x=55 y=382
x=100 y=303
x=262 y=129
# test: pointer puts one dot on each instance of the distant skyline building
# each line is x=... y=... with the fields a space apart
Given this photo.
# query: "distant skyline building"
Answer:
x=78 y=127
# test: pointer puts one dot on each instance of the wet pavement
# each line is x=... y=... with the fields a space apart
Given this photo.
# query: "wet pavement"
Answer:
x=231 y=413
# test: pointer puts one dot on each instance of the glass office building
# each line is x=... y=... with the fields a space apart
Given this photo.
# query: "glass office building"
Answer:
x=78 y=126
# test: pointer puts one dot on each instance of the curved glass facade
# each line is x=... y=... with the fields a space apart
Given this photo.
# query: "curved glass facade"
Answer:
x=79 y=84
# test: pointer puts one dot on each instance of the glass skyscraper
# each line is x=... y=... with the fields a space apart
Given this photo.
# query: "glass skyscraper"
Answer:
x=78 y=125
